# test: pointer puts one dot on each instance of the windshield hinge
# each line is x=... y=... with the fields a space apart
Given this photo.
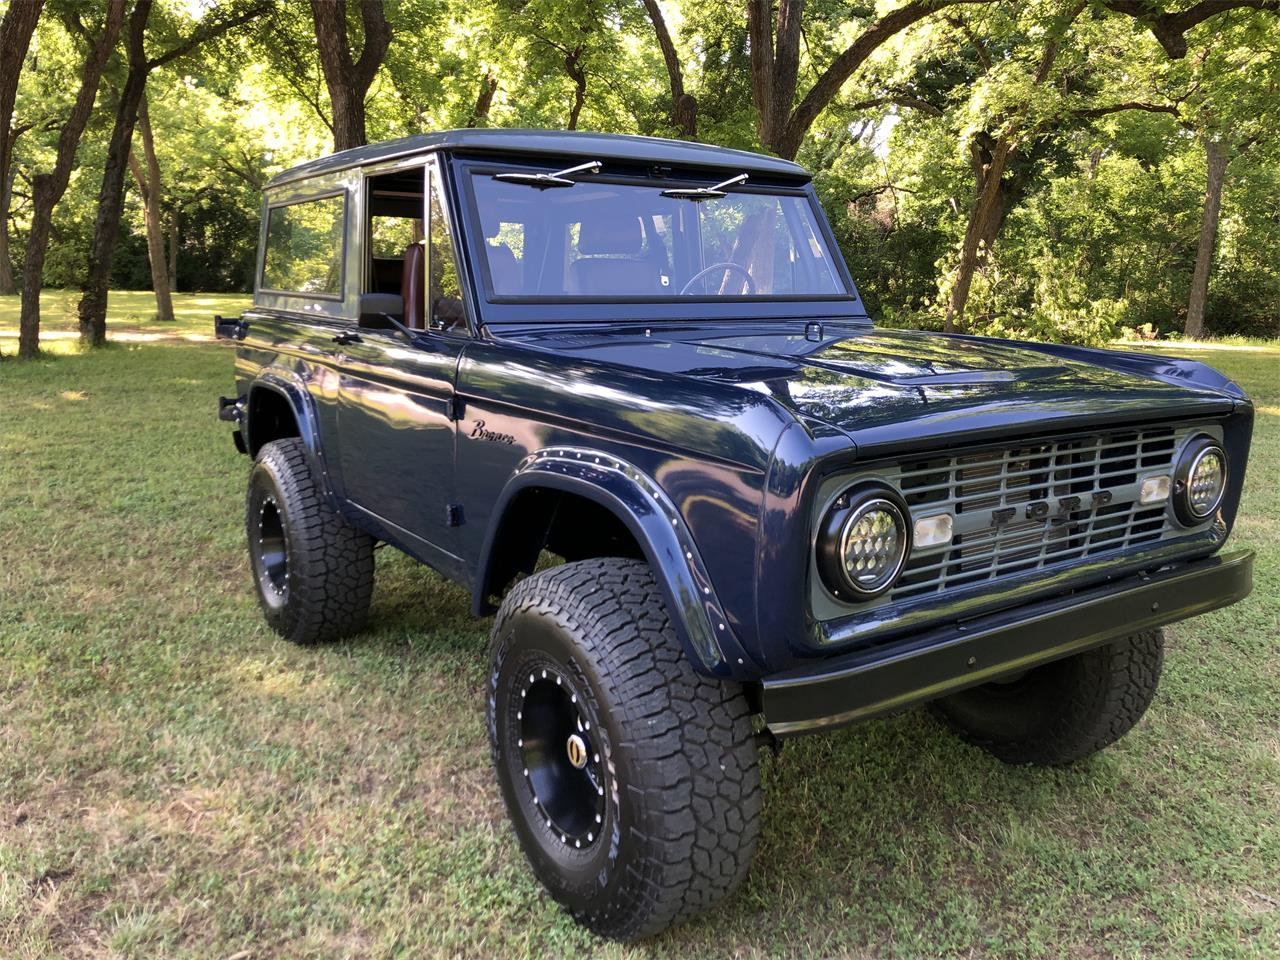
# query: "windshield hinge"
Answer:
x=454 y=408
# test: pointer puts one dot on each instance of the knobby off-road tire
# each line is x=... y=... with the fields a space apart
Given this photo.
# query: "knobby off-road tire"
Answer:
x=1065 y=710
x=660 y=821
x=313 y=571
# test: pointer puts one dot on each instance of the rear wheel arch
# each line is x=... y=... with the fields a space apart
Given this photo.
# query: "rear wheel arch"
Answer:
x=278 y=408
x=270 y=414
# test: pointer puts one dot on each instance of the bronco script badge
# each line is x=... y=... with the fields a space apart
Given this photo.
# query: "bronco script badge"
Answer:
x=479 y=432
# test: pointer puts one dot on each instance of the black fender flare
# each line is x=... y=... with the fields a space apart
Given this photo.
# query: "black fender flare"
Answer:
x=296 y=395
x=664 y=537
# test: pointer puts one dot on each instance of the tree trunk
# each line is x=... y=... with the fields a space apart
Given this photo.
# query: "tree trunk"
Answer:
x=579 y=78
x=7 y=173
x=986 y=215
x=106 y=222
x=174 y=222
x=992 y=194
x=16 y=28
x=775 y=61
x=1216 y=159
x=684 y=107
x=349 y=80
x=47 y=188
x=149 y=186
x=484 y=100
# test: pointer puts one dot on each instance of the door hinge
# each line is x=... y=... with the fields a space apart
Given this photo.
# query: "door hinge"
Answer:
x=453 y=515
x=454 y=407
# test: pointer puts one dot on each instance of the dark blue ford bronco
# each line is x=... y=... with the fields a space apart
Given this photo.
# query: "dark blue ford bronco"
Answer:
x=625 y=392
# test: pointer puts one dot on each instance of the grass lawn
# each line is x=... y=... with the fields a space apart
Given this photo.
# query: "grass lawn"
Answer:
x=130 y=318
x=175 y=781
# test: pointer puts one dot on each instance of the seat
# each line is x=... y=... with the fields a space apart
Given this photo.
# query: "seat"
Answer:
x=504 y=269
x=610 y=242
x=376 y=305
x=413 y=288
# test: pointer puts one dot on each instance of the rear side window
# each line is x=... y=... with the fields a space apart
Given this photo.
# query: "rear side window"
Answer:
x=303 y=253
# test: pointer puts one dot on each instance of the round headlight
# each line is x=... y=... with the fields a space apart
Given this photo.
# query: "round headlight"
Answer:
x=863 y=543
x=1201 y=480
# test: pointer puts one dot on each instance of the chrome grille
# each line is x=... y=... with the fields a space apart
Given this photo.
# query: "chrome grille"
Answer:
x=1034 y=505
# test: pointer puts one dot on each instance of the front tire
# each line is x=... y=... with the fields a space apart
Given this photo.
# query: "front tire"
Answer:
x=1063 y=711
x=632 y=781
x=313 y=571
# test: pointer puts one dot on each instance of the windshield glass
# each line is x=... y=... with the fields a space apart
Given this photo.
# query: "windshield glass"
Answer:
x=594 y=240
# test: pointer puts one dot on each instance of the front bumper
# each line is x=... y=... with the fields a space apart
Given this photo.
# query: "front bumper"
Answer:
x=948 y=658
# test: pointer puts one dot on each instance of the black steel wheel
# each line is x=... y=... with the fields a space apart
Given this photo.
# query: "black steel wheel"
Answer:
x=632 y=782
x=270 y=554
x=312 y=570
x=559 y=756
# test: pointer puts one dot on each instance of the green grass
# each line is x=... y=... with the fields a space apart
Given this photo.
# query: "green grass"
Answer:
x=131 y=318
x=175 y=781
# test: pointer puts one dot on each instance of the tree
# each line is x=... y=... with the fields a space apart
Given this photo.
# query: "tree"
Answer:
x=1234 y=82
x=93 y=300
x=992 y=157
x=349 y=80
x=684 y=105
x=16 y=28
x=775 y=65
x=149 y=186
x=47 y=188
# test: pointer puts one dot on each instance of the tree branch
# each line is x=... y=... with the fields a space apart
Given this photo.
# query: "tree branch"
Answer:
x=208 y=29
x=1170 y=29
x=1092 y=112
x=843 y=67
x=897 y=99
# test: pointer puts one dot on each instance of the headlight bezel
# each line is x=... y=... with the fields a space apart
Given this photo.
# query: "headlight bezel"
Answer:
x=1193 y=455
x=846 y=510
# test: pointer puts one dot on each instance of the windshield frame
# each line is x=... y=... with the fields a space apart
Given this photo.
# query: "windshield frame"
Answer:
x=540 y=308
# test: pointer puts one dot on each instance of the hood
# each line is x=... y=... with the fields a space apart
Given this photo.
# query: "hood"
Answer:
x=885 y=388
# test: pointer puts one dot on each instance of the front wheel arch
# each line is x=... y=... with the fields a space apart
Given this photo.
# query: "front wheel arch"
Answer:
x=658 y=531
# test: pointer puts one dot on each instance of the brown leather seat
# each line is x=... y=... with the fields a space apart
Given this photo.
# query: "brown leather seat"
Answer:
x=504 y=269
x=610 y=242
x=413 y=288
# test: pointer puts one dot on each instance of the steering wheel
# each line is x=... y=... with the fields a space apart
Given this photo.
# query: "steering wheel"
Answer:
x=727 y=265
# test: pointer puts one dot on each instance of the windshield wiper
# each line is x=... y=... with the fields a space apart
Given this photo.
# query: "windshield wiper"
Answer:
x=705 y=193
x=561 y=178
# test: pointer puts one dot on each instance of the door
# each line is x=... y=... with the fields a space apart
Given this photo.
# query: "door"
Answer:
x=396 y=436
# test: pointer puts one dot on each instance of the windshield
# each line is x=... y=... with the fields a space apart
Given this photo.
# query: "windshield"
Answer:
x=592 y=240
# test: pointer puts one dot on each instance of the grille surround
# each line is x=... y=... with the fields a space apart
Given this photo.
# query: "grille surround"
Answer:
x=1066 y=500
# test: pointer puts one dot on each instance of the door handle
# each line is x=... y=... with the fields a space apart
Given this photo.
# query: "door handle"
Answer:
x=347 y=336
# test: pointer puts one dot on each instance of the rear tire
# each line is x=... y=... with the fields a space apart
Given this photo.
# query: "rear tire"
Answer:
x=1063 y=711
x=313 y=571
x=659 y=821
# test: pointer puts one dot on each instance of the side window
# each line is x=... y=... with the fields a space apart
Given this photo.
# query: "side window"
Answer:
x=303 y=252
x=444 y=292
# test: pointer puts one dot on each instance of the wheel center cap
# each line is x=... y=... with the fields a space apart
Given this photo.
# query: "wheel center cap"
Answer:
x=576 y=748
